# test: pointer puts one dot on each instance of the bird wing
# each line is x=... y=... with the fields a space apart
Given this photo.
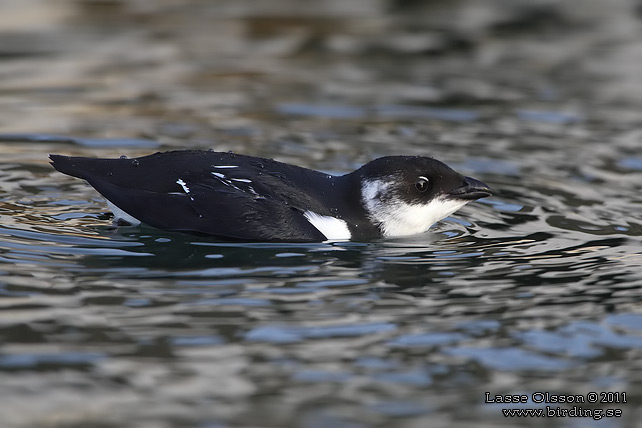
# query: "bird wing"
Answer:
x=199 y=200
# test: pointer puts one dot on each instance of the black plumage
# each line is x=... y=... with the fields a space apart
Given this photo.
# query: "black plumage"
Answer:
x=247 y=198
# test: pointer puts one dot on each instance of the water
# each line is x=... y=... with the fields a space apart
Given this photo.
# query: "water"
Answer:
x=535 y=290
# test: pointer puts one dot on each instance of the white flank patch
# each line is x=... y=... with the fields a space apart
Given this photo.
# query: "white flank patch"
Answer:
x=224 y=166
x=399 y=218
x=122 y=215
x=333 y=228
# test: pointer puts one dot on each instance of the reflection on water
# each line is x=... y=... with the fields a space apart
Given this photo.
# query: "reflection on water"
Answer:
x=535 y=289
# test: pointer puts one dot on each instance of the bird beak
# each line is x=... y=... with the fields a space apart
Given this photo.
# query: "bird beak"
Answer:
x=471 y=189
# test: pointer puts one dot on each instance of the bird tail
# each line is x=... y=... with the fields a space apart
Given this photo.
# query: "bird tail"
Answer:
x=75 y=166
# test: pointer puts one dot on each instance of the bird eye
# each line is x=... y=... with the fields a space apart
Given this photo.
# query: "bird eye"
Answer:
x=422 y=184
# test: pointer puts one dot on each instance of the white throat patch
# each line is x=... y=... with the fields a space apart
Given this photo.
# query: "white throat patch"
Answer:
x=398 y=218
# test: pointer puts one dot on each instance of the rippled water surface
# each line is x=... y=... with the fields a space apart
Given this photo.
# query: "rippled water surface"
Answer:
x=535 y=290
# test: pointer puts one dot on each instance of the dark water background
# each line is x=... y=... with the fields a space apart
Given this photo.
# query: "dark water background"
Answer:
x=537 y=289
